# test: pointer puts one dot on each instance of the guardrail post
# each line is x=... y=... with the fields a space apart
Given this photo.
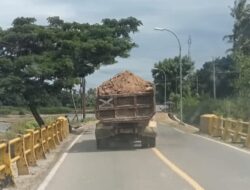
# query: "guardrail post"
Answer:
x=55 y=134
x=221 y=125
x=60 y=123
x=237 y=131
x=44 y=139
x=65 y=126
x=213 y=125
x=205 y=123
x=29 y=148
x=51 y=140
x=62 y=127
x=38 y=145
x=19 y=155
x=6 y=177
x=215 y=129
x=59 y=130
x=226 y=133
x=210 y=125
x=247 y=143
x=66 y=123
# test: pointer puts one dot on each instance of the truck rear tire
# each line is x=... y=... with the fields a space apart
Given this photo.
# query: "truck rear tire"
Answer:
x=101 y=143
x=144 y=143
x=148 y=142
x=152 y=141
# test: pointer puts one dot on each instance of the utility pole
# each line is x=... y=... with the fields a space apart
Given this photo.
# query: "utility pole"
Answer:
x=214 y=79
x=74 y=104
x=83 y=97
x=176 y=85
x=189 y=47
x=189 y=59
x=197 y=84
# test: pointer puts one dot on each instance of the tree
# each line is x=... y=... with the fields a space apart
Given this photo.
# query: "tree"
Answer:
x=91 y=97
x=243 y=82
x=241 y=30
x=38 y=62
x=226 y=75
x=171 y=68
x=240 y=39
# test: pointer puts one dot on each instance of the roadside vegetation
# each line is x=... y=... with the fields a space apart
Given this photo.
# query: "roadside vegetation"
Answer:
x=20 y=118
x=221 y=86
x=20 y=125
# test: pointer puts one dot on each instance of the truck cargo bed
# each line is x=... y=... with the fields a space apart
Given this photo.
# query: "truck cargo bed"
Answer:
x=125 y=107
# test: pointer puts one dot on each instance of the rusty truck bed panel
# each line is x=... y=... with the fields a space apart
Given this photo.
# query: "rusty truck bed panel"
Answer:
x=125 y=107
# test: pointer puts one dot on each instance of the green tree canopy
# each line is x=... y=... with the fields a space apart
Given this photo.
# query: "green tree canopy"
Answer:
x=240 y=38
x=38 y=61
x=226 y=76
x=171 y=68
x=243 y=67
x=91 y=97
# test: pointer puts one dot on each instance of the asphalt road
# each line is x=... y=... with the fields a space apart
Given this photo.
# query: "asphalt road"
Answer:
x=211 y=165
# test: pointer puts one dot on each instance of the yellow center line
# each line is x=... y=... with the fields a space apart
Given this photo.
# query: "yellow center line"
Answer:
x=177 y=170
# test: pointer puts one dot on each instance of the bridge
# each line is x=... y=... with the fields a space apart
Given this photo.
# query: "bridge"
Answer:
x=182 y=159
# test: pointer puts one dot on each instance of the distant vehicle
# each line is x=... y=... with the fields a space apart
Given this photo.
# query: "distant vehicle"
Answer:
x=166 y=107
x=125 y=106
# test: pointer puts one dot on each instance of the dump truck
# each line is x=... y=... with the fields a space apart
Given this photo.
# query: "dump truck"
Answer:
x=125 y=106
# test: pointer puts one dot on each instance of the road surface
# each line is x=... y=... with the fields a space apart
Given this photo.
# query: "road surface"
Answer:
x=181 y=161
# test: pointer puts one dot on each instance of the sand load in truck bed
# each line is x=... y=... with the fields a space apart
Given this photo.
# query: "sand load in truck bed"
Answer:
x=125 y=98
x=125 y=83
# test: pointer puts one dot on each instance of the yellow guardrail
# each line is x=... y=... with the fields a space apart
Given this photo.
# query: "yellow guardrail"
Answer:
x=6 y=175
x=26 y=149
x=230 y=130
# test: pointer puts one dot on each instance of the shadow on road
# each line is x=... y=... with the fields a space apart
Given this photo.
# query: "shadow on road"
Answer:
x=90 y=146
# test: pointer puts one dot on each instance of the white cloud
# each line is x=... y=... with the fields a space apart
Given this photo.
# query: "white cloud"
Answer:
x=9 y=10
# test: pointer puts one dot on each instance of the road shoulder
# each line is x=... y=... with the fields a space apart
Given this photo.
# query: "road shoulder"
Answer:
x=163 y=118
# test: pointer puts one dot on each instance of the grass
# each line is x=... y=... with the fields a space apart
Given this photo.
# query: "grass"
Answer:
x=10 y=110
x=21 y=118
x=236 y=108
x=20 y=125
x=55 y=110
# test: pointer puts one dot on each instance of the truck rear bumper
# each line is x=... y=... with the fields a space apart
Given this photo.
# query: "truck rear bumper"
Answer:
x=136 y=131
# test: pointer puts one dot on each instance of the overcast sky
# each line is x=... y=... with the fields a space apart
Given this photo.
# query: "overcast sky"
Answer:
x=205 y=21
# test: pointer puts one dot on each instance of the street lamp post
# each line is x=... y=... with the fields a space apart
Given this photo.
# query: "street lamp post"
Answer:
x=179 y=44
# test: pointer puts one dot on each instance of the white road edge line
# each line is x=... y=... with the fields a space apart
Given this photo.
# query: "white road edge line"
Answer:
x=51 y=174
x=222 y=143
x=179 y=130
x=176 y=129
x=215 y=141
